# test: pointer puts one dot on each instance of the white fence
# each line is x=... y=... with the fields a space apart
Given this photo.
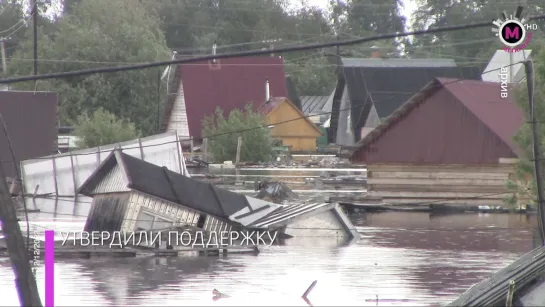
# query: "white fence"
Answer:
x=61 y=175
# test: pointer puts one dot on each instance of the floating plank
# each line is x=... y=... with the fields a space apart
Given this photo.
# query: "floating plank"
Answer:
x=482 y=189
x=437 y=195
x=437 y=181
x=441 y=168
x=436 y=175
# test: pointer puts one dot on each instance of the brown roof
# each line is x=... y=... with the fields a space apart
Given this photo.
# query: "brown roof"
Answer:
x=229 y=84
x=501 y=116
x=31 y=119
x=274 y=102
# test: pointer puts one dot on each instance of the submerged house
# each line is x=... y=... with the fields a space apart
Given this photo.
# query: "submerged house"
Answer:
x=31 y=119
x=450 y=143
x=369 y=90
x=130 y=194
x=294 y=129
x=197 y=89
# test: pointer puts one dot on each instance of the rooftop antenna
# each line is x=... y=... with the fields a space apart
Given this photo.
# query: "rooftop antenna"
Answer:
x=267 y=91
x=214 y=47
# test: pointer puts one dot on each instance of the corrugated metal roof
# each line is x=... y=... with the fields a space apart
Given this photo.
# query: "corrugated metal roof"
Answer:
x=158 y=181
x=287 y=212
x=377 y=62
x=229 y=84
x=389 y=87
x=501 y=116
x=313 y=104
x=32 y=123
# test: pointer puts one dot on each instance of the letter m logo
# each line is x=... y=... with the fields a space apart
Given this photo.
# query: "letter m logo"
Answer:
x=511 y=33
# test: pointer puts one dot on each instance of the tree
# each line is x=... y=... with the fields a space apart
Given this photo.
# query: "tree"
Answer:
x=102 y=128
x=471 y=46
x=523 y=184
x=95 y=34
x=223 y=135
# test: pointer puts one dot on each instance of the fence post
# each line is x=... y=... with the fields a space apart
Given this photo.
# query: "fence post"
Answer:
x=180 y=153
x=205 y=149
x=74 y=178
x=239 y=147
x=98 y=156
x=55 y=176
x=141 y=149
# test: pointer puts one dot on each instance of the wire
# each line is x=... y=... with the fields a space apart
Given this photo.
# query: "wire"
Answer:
x=250 y=53
x=136 y=146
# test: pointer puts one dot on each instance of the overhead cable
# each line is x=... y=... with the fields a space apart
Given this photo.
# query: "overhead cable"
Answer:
x=249 y=53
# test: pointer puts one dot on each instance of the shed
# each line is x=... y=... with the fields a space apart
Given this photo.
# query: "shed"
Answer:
x=130 y=194
x=32 y=122
x=369 y=90
x=290 y=125
x=199 y=88
x=452 y=140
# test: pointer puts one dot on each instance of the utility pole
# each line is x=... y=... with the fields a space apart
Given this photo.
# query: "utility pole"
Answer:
x=538 y=157
x=18 y=253
x=3 y=55
x=34 y=9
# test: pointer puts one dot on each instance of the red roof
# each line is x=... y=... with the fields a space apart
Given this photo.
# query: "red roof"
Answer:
x=450 y=121
x=501 y=115
x=270 y=105
x=229 y=84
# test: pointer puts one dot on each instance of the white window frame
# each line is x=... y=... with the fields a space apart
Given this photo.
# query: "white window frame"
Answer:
x=155 y=217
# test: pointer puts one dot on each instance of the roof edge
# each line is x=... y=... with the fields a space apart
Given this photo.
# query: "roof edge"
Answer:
x=428 y=90
x=83 y=188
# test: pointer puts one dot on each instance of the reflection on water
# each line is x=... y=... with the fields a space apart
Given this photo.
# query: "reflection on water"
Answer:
x=404 y=259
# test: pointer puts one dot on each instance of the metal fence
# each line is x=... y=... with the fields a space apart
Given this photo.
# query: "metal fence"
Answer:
x=61 y=175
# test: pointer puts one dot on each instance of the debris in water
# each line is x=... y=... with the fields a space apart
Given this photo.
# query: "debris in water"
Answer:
x=274 y=191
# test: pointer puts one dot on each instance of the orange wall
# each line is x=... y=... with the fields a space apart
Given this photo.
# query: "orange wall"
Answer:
x=300 y=134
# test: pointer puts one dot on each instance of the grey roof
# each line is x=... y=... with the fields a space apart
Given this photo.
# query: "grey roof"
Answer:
x=313 y=104
x=527 y=275
x=373 y=62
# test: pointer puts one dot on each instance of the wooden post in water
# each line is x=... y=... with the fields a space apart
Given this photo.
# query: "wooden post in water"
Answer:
x=239 y=147
x=18 y=254
x=205 y=149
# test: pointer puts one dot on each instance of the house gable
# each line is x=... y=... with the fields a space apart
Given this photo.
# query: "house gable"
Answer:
x=298 y=125
x=439 y=130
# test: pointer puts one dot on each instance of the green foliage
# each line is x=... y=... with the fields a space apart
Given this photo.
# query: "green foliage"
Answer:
x=523 y=184
x=102 y=128
x=256 y=143
x=94 y=34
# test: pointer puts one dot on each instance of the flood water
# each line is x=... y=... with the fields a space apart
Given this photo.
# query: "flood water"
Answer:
x=403 y=259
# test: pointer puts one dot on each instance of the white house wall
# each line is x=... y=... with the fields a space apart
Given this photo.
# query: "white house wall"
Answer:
x=345 y=135
x=163 y=209
x=178 y=116
x=321 y=224
x=63 y=174
x=503 y=59
x=112 y=182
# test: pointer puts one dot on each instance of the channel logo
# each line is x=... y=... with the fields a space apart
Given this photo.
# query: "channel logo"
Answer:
x=513 y=31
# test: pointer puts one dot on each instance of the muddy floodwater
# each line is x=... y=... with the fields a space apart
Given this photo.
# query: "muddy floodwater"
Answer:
x=403 y=259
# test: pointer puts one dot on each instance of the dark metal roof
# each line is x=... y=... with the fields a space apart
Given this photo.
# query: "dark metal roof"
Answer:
x=229 y=84
x=313 y=104
x=31 y=119
x=165 y=184
x=500 y=117
x=379 y=62
x=524 y=272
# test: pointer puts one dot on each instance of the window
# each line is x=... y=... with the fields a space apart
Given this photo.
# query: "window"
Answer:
x=148 y=221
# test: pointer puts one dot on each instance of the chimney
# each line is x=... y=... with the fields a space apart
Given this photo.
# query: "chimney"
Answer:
x=214 y=46
x=267 y=90
x=375 y=54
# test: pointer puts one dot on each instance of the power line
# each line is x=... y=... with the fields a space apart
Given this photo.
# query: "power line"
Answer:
x=257 y=127
x=249 y=53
